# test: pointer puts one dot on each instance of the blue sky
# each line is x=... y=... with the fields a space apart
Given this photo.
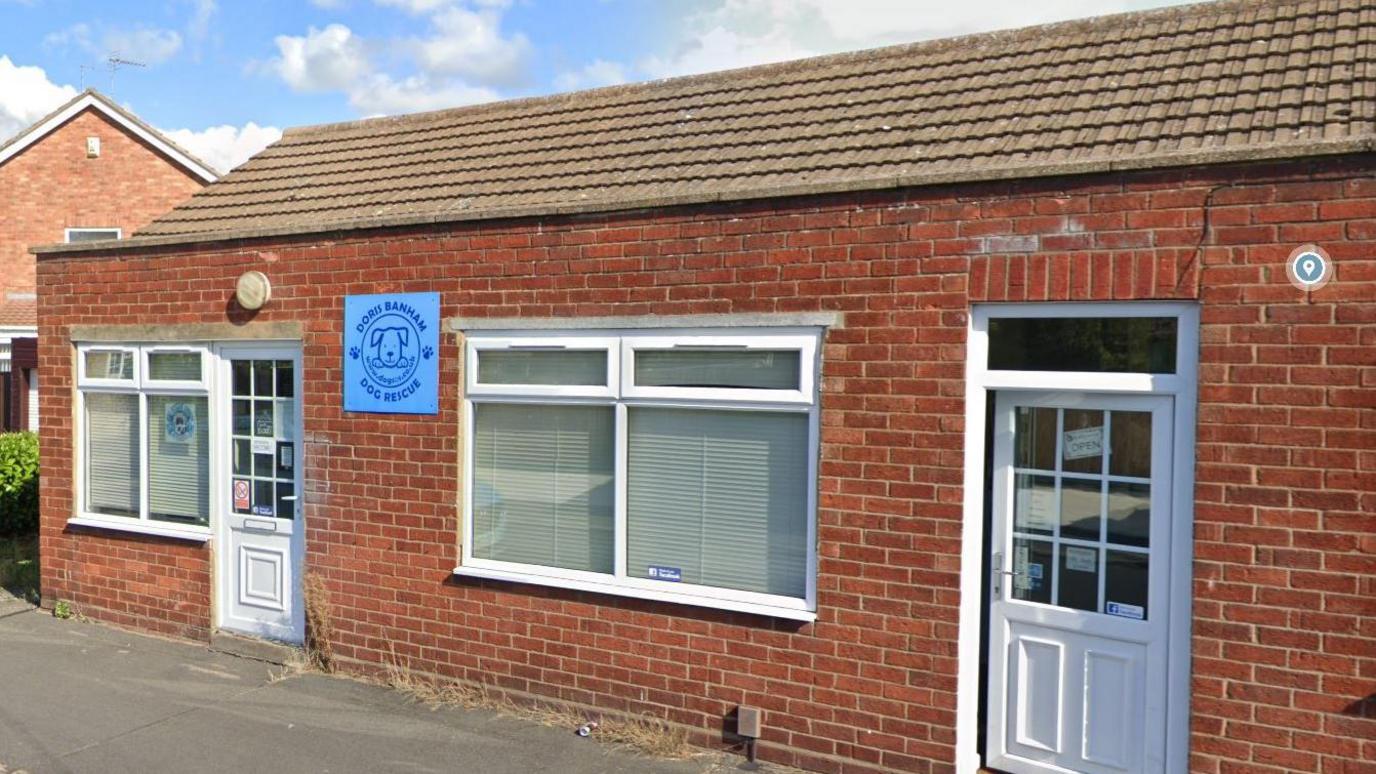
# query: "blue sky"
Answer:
x=223 y=76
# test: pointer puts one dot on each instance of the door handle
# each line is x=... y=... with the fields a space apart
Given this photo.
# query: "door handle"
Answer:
x=998 y=572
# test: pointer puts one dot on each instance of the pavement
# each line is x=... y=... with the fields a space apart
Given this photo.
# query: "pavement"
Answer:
x=82 y=697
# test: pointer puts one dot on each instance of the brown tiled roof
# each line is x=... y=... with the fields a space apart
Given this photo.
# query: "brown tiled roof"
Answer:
x=18 y=312
x=1206 y=83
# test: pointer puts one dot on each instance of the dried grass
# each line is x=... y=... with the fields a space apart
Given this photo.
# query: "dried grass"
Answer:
x=643 y=733
x=319 y=625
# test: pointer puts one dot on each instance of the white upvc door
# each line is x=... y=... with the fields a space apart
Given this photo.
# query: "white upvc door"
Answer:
x=261 y=537
x=1080 y=591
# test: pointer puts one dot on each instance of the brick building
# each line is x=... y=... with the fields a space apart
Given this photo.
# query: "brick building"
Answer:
x=952 y=403
x=88 y=170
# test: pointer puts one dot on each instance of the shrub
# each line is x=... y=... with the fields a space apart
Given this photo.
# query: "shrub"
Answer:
x=18 y=484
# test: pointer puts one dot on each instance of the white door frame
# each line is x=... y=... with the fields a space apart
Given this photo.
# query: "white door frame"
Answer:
x=221 y=389
x=1183 y=386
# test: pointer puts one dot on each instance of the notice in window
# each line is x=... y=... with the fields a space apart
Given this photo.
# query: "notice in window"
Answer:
x=1082 y=443
x=179 y=423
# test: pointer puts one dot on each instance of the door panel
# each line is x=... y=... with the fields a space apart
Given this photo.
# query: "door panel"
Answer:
x=262 y=538
x=1081 y=537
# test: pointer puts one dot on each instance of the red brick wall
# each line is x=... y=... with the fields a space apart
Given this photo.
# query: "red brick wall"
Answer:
x=1285 y=577
x=51 y=186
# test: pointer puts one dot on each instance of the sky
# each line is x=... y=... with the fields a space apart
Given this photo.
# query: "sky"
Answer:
x=223 y=77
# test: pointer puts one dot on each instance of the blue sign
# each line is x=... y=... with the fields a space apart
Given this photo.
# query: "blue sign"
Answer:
x=657 y=572
x=391 y=353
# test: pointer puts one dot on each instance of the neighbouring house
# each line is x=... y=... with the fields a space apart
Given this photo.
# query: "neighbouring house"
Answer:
x=89 y=170
x=976 y=403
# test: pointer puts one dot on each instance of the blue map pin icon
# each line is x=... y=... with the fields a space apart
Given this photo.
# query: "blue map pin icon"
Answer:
x=1309 y=267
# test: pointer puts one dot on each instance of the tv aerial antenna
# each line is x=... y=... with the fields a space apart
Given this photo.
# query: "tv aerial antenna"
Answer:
x=114 y=61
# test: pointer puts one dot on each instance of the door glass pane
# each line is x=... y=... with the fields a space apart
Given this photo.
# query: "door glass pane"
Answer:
x=543 y=485
x=243 y=457
x=286 y=461
x=1125 y=588
x=243 y=417
x=1129 y=514
x=1078 y=586
x=262 y=378
x=1035 y=443
x=1034 y=504
x=179 y=459
x=264 y=423
x=738 y=369
x=1082 y=442
x=718 y=498
x=109 y=364
x=286 y=379
x=550 y=366
x=174 y=366
x=263 y=465
x=1098 y=344
x=286 y=500
x=1130 y=453
x=1081 y=504
x=1031 y=570
x=243 y=377
x=264 y=499
x=112 y=454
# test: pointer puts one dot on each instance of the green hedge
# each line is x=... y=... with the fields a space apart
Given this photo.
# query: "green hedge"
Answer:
x=18 y=484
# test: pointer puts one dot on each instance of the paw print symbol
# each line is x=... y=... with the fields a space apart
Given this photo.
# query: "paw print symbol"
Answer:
x=427 y=352
x=353 y=352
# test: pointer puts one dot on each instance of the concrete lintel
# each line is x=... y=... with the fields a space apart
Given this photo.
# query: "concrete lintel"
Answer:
x=746 y=320
x=279 y=331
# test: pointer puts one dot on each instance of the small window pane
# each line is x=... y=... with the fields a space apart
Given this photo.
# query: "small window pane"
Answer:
x=286 y=500
x=1036 y=438
x=263 y=465
x=573 y=367
x=1125 y=588
x=262 y=378
x=1082 y=443
x=109 y=364
x=92 y=234
x=243 y=377
x=1034 y=504
x=169 y=366
x=1099 y=344
x=1031 y=570
x=286 y=374
x=1129 y=514
x=736 y=369
x=264 y=423
x=112 y=454
x=543 y=485
x=1081 y=502
x=178 y=459
x=243 y=417
x=718 y=498
x=286 y=460
x=1130 y=454
x=243 y=455
x=1079 y=582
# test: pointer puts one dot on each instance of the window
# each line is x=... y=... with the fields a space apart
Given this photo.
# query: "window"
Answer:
x=145 y=435
x=674 y=466
x=93 y=234
x=1095 y=344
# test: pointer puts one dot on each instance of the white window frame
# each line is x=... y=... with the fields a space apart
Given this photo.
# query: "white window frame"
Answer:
x=142 y=387
x=621 y=396
x=67 y=232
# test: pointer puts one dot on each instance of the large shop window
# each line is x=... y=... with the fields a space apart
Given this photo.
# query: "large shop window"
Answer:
x=144 y=455
x=679 y=467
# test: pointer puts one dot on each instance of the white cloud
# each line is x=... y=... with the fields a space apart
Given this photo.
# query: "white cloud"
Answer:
x=383 y=95
x=326 y=59
x=225 y=147
x=27 y=95
x=417 y=7
x=599 y=72
x=721 y=34
x=199 y=24
x=149 y=45
x=470 y=44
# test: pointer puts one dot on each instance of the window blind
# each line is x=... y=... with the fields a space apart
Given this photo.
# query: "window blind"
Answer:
x=164 y=366
x=178 y=459
x=720 y=496
x=752 y=369
x=542 y=485
x=112 y=454
x=569 y=367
